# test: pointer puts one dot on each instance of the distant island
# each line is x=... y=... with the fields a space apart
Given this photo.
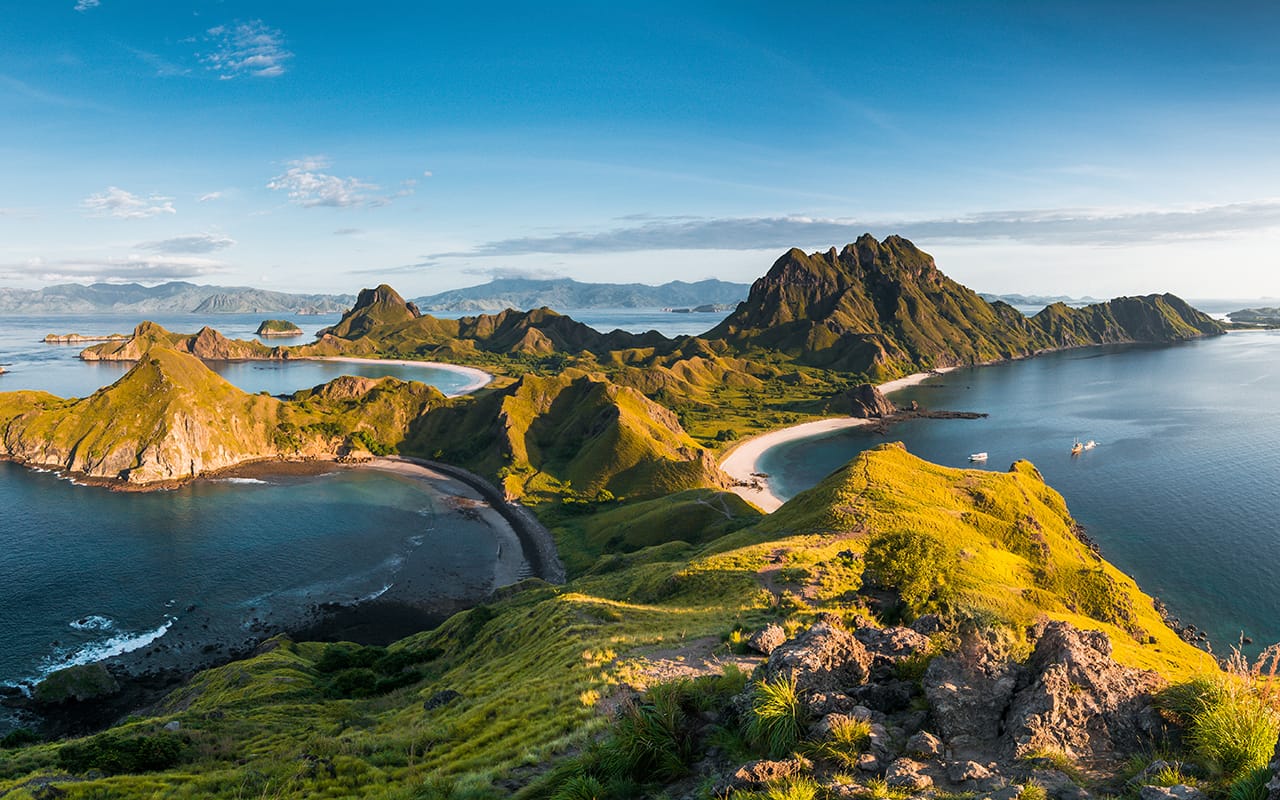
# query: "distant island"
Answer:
x=1256 y=316
x=176 y=297
x=282 y=328
x=568 y=294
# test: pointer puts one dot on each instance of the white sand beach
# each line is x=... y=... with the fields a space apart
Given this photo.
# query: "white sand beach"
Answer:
x=478 y=377
x=742 y=461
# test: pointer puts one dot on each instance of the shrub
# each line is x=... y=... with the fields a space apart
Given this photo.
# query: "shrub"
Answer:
x=19 y=737
x=652 y=738
x=777 y=716
x=580 y=787
x=115 y=754
x=916 y=564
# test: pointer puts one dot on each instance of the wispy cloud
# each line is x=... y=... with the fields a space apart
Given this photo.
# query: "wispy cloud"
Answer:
x=195 y=243
x=111 y=270
x=48 y=98
x=164 y=68
x=116 y=202
x=85 y=5
x=245 y=48
x=207 y=196
x=309 y=186
x=348 y=232
x=1039 y=226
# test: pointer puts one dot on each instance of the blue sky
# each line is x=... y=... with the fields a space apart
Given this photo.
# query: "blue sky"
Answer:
x=1082 y=148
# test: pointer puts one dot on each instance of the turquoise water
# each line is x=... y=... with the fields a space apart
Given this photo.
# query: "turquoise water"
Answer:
x=1183 y=490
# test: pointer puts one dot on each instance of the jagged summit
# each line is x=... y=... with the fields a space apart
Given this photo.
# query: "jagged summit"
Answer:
x=207 y=343
x=374 y=307
x=885 y=309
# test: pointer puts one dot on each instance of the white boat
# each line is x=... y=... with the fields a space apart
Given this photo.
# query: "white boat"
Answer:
x=1089 y=445
x=978 y=457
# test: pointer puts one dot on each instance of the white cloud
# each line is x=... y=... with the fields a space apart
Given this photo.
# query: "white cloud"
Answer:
x=308 y=186
x=111 y=270
x=1090 y=226
x=204 y=198
x=426 y=173
x=245 y=48
x=116 y=202
x=85 y=5
x=196 y=243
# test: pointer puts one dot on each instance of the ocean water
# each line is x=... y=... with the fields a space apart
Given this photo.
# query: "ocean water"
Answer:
x=31 y=364
x=89 y=573
x=1182 y=491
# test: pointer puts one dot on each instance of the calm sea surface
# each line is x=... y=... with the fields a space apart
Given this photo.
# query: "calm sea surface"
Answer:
x=86 y=573
x=1183 y=490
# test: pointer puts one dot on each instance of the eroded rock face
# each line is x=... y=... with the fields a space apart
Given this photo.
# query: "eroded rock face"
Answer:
x=968 y=694
x=824 y=659
x=866 y=401
x=1075 y=699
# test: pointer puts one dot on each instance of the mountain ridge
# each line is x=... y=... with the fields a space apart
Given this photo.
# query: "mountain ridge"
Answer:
x=174 y=297
x=570 y=294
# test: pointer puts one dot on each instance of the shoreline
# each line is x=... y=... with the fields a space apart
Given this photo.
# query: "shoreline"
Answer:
x=478 y=377
x=406 y=606
x=743 y=461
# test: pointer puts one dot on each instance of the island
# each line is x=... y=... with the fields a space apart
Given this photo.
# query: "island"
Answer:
x=278 y=327
x=899 y=629
x=75 y=338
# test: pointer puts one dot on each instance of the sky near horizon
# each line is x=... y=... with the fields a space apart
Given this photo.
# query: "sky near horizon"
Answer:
x=1094 y=148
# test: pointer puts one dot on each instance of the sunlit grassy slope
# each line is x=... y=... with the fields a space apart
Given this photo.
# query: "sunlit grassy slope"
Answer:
x=534 y=671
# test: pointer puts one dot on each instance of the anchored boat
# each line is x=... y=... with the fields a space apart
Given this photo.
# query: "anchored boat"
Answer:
x=978 y=457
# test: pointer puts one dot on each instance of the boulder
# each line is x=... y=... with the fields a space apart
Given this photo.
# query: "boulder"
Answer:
x=889 y=646
x=924 y=744
x=1179 y=792
x=762 y=773
x=907 y=774
x=767 y=639
x=1075 y=699
x=823 y=659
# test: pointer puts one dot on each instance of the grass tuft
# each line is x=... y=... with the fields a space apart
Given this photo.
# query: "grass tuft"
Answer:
x=777 y=717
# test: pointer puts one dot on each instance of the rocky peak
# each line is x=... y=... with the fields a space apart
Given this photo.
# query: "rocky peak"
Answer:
x=375 y=307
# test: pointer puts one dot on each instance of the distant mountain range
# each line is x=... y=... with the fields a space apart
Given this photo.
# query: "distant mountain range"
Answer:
x=169 y=298
x=565 y=293
x=1041 y=300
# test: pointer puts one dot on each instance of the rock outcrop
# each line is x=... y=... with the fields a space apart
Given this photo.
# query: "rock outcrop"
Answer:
x=278 y=327
x=1074 y=699
x=868 y=402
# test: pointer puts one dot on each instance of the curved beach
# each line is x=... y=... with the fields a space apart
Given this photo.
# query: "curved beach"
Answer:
x=478 y=378
x=742 y=462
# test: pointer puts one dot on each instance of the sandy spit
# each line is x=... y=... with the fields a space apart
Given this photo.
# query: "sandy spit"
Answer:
x=742 y=462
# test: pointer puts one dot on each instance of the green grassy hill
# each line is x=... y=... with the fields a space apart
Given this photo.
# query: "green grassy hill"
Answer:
x=573 y=434
x=207 y=343
x=494 y=699
x=171 y=418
